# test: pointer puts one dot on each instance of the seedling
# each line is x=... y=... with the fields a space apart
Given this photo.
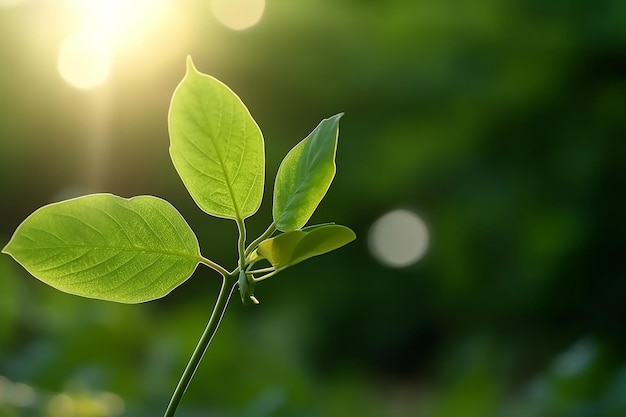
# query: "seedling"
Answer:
x=139 y=249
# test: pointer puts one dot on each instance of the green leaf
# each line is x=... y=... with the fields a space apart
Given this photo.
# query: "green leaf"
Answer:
x=296 y=246
x=305 y=175
x=107 y=247
x=216 y=147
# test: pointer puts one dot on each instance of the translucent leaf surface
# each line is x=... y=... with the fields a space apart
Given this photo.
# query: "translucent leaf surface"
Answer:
x=305 y=175
x=296 y=246
x=216 y=146
x=107 y=247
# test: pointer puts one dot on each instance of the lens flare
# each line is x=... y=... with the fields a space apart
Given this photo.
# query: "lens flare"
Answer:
x=238 y=14
x=85 y=57
x=119 y=21
x=84 y=60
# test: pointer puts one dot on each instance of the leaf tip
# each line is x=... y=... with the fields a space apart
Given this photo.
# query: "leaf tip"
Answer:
x=336 y=117
x=190 y=66
x=5 y=248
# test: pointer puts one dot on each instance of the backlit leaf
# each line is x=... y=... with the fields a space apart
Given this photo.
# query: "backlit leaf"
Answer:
x=296 y=246
x=107 y=247
x=305 y=175
x=216 y=146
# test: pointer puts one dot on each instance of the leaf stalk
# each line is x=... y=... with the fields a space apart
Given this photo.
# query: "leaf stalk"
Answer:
x=262 y=270
x=266 y=276
x=268 y=233
x=241 y=243
x=214 y=266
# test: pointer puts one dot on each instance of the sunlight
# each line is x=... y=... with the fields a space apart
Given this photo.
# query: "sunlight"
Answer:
x=238 y=14
x=10 y=3
x=85 y=57
x=398 y=238
x=120 y=21
x=84 y=60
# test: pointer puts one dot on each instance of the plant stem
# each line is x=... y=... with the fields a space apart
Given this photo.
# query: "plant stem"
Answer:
x=226 y=290
x=269 y=232
x=271 y=274
x=262 y=270
x=241 y=244
x=214 y=266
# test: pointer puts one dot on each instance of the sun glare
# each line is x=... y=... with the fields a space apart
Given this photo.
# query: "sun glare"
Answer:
x=84 y=60
x=238 y=14
x=118 y=20
x=85 y=57
x=10 y=3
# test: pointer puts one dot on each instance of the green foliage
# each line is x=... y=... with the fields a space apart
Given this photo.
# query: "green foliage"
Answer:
x=305 y=175
x=296 y=246
x=500 y=122
x=107 y=247
x=216 y=147
x=139 y=249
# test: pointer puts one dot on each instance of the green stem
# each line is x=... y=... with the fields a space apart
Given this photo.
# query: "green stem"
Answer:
x=241 y=244
x=214 y=266
x=262 y=270
x=269 y=232
x=228 y=285
x=266 y=276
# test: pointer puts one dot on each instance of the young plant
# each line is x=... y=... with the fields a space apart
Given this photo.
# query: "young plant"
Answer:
x=139 y=249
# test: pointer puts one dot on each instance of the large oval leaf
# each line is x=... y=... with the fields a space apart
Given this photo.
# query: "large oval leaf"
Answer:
x=216 y=146
x=305 y=175
x=107 y=247
x=290 y=248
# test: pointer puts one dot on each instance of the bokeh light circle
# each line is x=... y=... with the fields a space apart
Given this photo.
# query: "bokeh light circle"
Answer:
x=399 y=238
x=238 y=14
x=84 y=60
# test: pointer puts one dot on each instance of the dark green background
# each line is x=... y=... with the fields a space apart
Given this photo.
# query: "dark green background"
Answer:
x=502 y=123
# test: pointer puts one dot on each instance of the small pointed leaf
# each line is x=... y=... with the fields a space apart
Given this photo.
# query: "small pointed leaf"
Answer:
x=246 y=289
x=296 y=246
x=305 y=175
x=107 y=247
x=216 y=146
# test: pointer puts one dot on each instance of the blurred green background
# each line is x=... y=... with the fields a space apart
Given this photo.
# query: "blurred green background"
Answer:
x=501 y=124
